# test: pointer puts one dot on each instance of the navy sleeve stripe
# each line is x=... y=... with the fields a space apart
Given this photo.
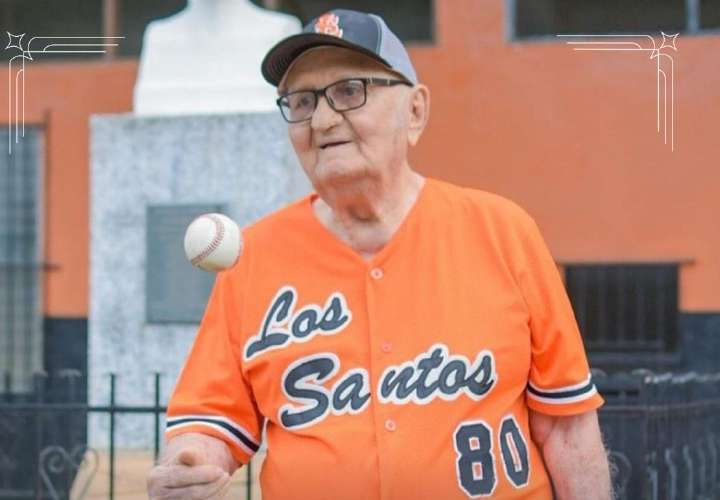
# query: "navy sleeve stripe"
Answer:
x=569 y=394
x=217 y=422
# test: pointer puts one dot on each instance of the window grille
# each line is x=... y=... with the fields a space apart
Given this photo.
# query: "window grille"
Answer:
x=625 y=307
x=21 y=337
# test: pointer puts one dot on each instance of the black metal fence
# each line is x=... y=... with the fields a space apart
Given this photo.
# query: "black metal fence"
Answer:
x=662 y=430
x=663 y=433
x=43 y=436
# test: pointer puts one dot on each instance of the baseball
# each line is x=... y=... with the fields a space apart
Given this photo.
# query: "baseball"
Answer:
x=213 y=242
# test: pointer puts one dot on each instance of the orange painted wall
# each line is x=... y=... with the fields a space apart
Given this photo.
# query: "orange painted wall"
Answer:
x=570 y=136
x=61 y=96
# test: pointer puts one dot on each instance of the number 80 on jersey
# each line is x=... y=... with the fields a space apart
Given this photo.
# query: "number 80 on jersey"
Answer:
x=476 y=462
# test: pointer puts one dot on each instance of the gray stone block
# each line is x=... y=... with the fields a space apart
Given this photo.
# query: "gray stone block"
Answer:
x=244 y=162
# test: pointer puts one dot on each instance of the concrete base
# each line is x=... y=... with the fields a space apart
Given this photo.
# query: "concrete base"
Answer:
x=243 y=161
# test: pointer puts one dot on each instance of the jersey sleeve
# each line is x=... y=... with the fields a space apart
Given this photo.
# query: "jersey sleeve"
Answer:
x=559 y=382
x=211 y=395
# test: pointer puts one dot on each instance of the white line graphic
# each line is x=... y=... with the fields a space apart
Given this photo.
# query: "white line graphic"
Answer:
x=645 y=43
x=16 y=85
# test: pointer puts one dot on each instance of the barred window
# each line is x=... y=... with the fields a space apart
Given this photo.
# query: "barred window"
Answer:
x=545 y=18
x=73 y=18
x=625 y=307
x=411 y=20
x=20 y=270
x=709 y=14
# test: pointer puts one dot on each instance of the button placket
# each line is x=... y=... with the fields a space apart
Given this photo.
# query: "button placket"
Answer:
x=380 y=349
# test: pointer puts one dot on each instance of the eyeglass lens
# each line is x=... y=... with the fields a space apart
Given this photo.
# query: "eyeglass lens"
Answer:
x=342 y=96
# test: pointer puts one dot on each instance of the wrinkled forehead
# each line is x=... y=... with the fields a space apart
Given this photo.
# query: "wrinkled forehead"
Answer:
x=322 y=65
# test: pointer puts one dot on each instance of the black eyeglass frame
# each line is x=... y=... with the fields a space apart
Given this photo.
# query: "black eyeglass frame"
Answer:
x=385 y=82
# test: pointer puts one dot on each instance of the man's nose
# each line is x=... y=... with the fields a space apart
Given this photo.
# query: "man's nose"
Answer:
x=324 y=116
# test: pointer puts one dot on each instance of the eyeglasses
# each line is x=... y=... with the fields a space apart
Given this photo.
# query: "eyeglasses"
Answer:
x=342 y=95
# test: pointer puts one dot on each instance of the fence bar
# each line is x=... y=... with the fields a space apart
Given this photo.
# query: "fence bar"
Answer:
x=248 y=481
x=39 y=390
x=112 y=437
x=7 y=382
x=51 y=407
x=157 y=417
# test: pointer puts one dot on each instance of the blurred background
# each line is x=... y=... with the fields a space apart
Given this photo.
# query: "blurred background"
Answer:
x=613 y=152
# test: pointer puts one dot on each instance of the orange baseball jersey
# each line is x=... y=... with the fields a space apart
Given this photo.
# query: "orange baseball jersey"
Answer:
x=408 y=376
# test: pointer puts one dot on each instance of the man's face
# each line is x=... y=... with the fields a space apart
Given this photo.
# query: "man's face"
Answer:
x=373 y=138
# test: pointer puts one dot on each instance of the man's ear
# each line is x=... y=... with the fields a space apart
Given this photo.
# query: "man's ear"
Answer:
x=419 y=108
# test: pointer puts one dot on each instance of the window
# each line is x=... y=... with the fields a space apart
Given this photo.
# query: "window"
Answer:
x=21 y=337
x=709 y=14
x=625 y=307
x=49 y=18
x=52 y=18
x=536 y=18
x=410 y=20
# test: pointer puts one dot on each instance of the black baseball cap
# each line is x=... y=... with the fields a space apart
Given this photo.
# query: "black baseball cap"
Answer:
x=359 y=31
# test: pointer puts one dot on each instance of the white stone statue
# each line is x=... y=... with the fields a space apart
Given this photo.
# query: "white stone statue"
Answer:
x=206 y=59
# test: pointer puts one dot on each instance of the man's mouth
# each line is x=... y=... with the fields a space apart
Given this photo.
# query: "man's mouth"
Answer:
x=333 y=144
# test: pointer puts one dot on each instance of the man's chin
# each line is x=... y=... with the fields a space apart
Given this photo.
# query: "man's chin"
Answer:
x=339 y=176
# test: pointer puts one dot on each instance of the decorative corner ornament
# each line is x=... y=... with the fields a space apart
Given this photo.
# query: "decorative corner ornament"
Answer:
x=16 y=76
x=666 y=69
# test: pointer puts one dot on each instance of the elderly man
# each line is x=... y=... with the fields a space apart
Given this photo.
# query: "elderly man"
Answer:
x=398 y=337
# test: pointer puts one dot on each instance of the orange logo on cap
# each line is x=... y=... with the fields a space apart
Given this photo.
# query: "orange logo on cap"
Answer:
x=328 y=25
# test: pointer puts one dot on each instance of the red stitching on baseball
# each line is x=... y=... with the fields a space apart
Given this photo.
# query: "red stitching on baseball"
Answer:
x=219 y=233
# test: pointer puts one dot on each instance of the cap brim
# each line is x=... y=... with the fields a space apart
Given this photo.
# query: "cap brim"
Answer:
x=281 y=56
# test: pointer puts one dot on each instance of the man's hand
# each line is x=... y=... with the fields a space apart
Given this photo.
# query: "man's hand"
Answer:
x=574 y=455
x=189 y=472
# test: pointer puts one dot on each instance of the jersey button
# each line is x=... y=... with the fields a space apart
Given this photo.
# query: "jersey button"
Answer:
x=386 y=346
x=376 y=273
x=390 y=424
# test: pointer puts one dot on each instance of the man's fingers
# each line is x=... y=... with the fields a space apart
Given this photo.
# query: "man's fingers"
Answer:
x=216 y=490
x=210 y=491
x=180 y=476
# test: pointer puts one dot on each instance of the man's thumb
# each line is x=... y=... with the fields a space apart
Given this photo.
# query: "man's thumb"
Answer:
x=190 y=457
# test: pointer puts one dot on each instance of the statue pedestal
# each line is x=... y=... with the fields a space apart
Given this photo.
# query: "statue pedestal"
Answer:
x=242 y=161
